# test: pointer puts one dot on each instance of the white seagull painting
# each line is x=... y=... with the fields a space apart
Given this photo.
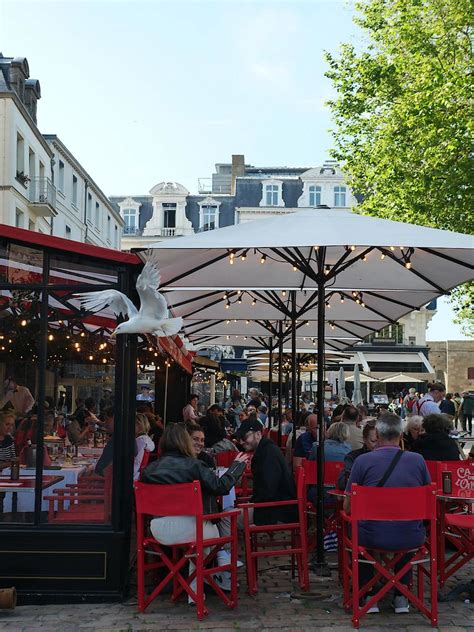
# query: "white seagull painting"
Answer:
x=152 y=318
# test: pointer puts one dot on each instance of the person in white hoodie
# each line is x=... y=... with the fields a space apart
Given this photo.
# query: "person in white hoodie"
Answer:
x=143 y=442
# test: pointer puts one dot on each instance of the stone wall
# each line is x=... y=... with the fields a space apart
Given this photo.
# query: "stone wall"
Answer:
x=451 y=360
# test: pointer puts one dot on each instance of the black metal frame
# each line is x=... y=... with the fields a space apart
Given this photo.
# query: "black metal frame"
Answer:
x=94 y=561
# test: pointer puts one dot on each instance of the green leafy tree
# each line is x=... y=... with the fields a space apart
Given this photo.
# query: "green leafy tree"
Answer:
x=404 y=116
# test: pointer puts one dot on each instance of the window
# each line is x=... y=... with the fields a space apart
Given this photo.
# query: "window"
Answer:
x=169 y=215
x=209 y=217
x=470 y=373
x=340 y=196
x=89 y=207
x=314 y=195
x=109 y=227
x=41 y=170
x=67 y=232
x=31 y=164
x=97 y=214
x=19 y=218
x=20 y=154
x=74 y=190
x=61 y=176
x=271 y=194
x=130 y=218
x=116 y=236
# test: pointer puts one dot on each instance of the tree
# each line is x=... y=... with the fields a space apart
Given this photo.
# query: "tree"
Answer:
x=404 y=118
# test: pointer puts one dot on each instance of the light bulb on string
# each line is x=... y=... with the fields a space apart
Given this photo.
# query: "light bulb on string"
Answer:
x=263 y=258
x=382 y=256
x=342 y=297
x=23 y=323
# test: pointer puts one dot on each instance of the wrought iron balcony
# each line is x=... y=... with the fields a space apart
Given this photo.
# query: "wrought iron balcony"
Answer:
x=42 y=197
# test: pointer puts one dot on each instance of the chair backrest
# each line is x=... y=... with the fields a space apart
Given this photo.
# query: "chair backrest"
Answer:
x=273 y=436
x=393 y=503
x=462 y=473
x=332 y=469
x=145 y=460
x=434 y=472
x=183 y=499
x=225 y=458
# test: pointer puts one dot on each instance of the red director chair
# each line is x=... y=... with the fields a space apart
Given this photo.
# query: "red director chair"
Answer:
x=257 y=546
x=455 y=518
x=394 y=504
x=181 y=500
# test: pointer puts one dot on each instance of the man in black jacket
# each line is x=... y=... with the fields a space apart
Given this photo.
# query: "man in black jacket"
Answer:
x=272 y=479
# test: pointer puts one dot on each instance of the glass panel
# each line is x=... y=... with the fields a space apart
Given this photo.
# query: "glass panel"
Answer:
x=19 y=335
x=78 y=432
x=20 y=264
x=68 y=269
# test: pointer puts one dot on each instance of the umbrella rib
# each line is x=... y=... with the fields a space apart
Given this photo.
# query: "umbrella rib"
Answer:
x=192 y=300
x=196 y=269
x=304 y=308
x=437 y=287
x=448 y=258
x=390 y=300
x=354 y=260
x=206 y=326
x=196 y=311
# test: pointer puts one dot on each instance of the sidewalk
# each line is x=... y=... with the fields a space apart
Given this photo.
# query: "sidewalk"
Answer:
x=278 y=606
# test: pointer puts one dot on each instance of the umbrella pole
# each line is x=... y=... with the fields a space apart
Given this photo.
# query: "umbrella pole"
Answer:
x=280 y=378
x=270 y=381
x=294 y=397
x=166 y=394
x=320 y=565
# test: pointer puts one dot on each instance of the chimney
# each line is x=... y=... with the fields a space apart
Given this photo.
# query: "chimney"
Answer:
x=238 y=169
x=32 y=94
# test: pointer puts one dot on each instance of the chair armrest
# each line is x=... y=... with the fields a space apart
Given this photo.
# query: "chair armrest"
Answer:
x=278 y=503
x=221 y=514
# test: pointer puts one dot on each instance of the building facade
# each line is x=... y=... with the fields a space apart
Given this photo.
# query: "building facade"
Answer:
x=42 y=186
x=236 y=193
x=453 y=363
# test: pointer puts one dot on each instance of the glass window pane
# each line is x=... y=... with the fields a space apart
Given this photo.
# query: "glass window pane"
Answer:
x=20 y=264
x=69 y=269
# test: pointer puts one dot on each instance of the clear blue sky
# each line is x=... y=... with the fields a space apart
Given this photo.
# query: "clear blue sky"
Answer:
x=143 y=92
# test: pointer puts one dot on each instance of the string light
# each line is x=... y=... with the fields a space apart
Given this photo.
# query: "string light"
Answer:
x=227 y=305
x=239 y=300
x=327 y=270
x=342 y=297
x=247 y=322
x=283 y=292
x=244 y=255
x=364 y=258
x=225 y=297
x=24 y=323
x=239 y=292
x=295 y=268
x=227 y=322
x=91 y=357
x=392 y=248
x=254 y=302
x=263 y=258
x=50 y=337
x=382 y=256
x=353 y=248
x=104 y=361
x=316 y=248
x=408 y=264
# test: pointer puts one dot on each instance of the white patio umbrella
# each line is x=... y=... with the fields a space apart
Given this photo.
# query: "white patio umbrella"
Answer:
x=357 y=395
x=370 y=266
x=341 y=385
x=402 y=378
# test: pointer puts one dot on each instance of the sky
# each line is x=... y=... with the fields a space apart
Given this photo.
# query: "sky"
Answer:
x=143 y=92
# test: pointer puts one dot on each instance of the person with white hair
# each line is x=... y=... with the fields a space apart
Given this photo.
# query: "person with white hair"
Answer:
x=413 y=429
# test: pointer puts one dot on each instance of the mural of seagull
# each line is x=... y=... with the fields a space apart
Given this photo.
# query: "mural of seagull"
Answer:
x=152 y=318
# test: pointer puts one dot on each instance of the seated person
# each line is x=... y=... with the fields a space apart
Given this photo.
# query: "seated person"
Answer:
x=179 y=464
x=286 y=424
x=304 y=443
x=143 y=443
x=336 y=445
x=351 y=417
x=107 y=456
x=215 y=434
x=7 y=445
x=272 y=478
x=197 y=437
x=370 y=441
x=436 y=444
x=80 y=429
x=413 y=429
x=373 y=469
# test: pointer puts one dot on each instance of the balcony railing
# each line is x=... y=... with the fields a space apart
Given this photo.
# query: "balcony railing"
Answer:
x=131 y=230
x=42 y=196
x=168 y=232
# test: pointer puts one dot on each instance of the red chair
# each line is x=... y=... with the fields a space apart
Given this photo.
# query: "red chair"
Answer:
x=455 y=517
x=296 y=546
x=82 y=504
x=226 y=458
x=396 y=504
x=181 y=500
x=145 y=460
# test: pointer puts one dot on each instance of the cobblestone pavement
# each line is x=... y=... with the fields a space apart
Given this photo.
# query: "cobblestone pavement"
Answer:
x=278 y=606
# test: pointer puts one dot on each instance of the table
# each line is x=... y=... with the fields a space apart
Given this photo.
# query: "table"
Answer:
x=67 y=474
x=24 y=485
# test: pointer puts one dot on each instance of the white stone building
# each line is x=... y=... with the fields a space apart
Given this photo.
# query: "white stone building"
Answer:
x=42 y=186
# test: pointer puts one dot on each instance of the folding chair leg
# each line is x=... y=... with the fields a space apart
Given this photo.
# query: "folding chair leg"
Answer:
x=141 y=580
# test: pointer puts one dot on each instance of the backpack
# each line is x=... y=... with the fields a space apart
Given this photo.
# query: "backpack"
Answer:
x=410 y=403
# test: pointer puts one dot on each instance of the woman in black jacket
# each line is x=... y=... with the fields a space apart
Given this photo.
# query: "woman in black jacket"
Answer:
x=436 y=444
x=178 y=464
